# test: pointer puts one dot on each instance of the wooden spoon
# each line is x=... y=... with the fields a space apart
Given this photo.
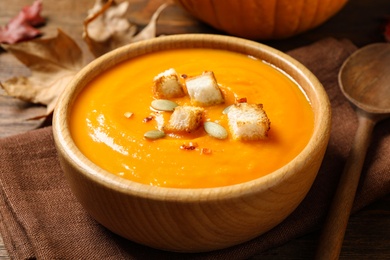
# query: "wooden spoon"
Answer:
x=364 y=79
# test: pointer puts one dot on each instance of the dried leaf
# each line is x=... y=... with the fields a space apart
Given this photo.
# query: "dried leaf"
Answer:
x=53 y=63
x=150 y=30
x=107 y=28
x=387 y=31
x=21 y=27
x=32 y=13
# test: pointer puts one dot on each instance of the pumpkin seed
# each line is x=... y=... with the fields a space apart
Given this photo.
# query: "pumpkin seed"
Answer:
x=215 y=130
x=154 y=134
x=163 y=105
x=226 y=110
x=128 y=114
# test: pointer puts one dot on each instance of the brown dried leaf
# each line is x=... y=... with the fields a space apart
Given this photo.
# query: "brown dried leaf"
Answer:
x=107 y=28
x=53 y=63
x=150 y=30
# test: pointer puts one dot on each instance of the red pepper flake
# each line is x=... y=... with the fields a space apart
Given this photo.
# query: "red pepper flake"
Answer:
x=206 y=151
x=189 y=147
x=148 y=119
x=241 y=100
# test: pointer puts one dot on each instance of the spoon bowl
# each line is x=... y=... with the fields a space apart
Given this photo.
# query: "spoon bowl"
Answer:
x=364 y=80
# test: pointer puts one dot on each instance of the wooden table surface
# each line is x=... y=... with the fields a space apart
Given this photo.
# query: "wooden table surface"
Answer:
x=361 y=21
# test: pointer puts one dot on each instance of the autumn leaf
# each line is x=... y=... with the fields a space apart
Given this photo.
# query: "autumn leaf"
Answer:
x=150 y=30
x=387 y=30
x=107 y=28
x=32 y=14
x=53 y=63
x=21 y=27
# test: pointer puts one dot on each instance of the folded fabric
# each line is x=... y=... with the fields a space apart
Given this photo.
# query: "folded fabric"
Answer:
x=40 y=217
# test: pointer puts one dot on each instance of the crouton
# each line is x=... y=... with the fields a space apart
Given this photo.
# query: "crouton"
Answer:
x=185 y=119
x=248 y=122
x=167 y=85
x=204 y=90
x=160 y=120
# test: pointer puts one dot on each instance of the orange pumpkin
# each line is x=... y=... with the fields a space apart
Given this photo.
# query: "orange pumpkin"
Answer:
x=263 y=19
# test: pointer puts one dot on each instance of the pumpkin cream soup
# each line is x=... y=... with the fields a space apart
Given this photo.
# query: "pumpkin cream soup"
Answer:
x=191 y=118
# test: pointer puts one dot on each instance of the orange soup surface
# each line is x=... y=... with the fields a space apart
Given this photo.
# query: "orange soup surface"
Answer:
x=116 y=142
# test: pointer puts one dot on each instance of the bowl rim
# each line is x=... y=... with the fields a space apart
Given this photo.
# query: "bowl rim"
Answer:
x=68 y=149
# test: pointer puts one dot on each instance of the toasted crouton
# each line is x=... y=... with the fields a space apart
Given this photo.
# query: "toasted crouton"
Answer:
x=159 y=117
x=185 y=119
x=204 y=90
x=248 y=122
x=167 y=85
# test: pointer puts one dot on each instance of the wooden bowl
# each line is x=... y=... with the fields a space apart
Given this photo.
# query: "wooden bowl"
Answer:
x=192 y=220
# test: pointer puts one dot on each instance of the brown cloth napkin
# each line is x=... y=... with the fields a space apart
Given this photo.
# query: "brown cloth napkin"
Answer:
x=40 y=218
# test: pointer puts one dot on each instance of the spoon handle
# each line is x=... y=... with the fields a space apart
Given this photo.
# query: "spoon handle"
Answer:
x=333 y=231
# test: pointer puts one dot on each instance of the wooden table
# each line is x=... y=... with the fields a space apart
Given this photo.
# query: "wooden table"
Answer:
x=361 y=21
